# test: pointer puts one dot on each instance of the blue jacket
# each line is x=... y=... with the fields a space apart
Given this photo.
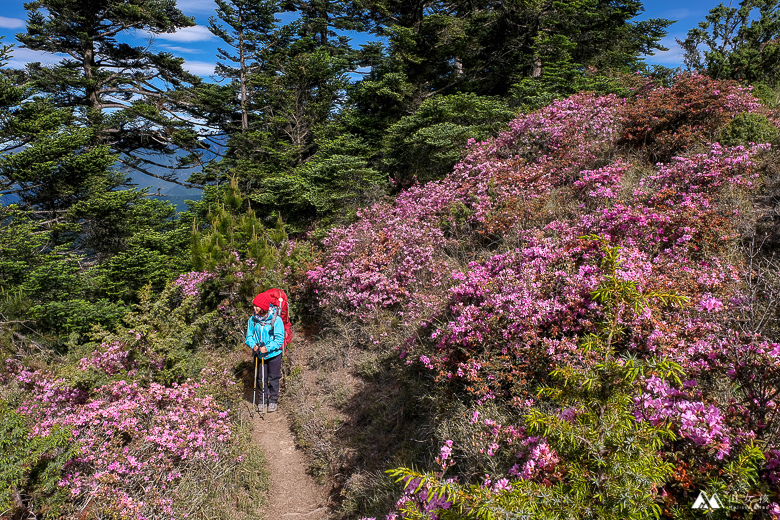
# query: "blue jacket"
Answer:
x=272 y=337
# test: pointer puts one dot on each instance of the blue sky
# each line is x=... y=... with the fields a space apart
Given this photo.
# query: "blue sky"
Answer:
x=198 y=46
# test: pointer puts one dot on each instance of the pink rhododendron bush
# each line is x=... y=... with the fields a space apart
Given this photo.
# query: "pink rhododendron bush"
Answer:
x=134 y=442
x=598 y=308
x=140 y=425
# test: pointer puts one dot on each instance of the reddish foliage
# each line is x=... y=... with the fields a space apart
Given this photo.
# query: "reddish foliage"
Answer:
x=669 y=121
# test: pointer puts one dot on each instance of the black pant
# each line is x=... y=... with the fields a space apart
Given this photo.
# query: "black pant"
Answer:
x=272 y=371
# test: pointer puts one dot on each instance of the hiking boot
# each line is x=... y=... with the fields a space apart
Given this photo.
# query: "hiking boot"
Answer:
x=271 y=407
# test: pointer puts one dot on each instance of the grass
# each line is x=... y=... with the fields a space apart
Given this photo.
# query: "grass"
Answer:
x=230 y=490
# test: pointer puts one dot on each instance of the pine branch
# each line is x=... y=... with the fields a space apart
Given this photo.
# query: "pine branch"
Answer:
x=166 y=178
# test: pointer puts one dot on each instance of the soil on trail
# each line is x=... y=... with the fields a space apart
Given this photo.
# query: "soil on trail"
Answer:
x=293 y=493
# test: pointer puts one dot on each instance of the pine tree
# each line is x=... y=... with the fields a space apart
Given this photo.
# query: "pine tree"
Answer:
x=75 y=247
x=740 y=43
x=426 y=145
x=296 y=77
x=442 y=48
x=248 y=27
x=121 y=93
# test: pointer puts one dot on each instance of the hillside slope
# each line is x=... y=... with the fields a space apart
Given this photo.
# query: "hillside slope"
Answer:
x=580 y=321
x=584 y=290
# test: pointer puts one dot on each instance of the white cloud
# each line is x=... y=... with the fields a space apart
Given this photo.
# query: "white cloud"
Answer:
x=11 y=23
x=198 y=33
x=176 y=48
x=21 y=57
x=672 y=58
x=199 y=68
x=677 y=14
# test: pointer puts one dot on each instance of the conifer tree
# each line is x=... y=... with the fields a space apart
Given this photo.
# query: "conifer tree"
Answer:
x=245 y=27
x=442 y=48
x=296 y=75
x=123 y=94
x=740 y=43
x=75 y=247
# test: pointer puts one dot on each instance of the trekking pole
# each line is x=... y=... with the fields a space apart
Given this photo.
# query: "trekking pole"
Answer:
x=262 y=365
x=254 y=392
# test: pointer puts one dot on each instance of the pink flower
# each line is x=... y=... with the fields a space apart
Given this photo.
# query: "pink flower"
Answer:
x=711 y=304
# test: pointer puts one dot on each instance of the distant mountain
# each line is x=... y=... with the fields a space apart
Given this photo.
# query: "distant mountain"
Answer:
x=178 y=200
x=172 y=192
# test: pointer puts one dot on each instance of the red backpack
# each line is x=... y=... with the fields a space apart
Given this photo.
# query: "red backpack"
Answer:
x=279 y=298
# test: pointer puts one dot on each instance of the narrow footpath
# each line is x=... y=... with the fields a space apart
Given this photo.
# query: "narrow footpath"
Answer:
x=293 y=493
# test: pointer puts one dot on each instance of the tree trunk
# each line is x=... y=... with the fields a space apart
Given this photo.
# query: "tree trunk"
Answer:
x=93 y=106
x=91 y=88
x=19 y=509
x=242 y=73
x=537 y=70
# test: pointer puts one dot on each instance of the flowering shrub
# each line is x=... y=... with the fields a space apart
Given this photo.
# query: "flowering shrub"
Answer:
x=535 y=301
x=490 y=445
x=532 y=319
x=669 y=121
x=393 y=261
x=190 y=282
x=529 y=308
x=753 y=364
x=147 y=414
x=133 y=443
x=701 y=423
x=395 y=255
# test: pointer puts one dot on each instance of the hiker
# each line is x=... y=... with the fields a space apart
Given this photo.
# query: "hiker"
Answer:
x=265 y=336
x=279 y=298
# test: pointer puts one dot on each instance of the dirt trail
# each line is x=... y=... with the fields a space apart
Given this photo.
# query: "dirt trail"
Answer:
x=293 y=493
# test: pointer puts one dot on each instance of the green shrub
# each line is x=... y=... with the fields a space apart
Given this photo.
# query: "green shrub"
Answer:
x=748 y=128
x=768 y=96
x=31 y=466
x=427 y=144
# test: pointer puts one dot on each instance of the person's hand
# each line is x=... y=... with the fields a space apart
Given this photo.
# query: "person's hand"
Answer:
x=255 y=349
x=263 y=349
